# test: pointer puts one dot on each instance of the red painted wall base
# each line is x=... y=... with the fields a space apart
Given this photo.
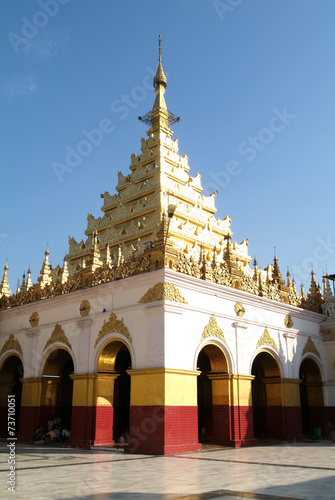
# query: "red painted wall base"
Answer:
x=160 y=430
x=103 y=426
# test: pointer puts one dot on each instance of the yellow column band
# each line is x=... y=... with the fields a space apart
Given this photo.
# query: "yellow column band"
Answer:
x=291 y=392
x=159 y=386
x=31 y=391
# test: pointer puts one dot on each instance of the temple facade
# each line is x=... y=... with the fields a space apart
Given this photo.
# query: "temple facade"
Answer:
x=157 y=332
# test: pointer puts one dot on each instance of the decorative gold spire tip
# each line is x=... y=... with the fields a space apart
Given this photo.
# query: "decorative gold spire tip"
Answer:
x=160 y=78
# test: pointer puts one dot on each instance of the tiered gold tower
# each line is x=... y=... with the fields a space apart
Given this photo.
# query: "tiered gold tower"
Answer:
x=158 y=217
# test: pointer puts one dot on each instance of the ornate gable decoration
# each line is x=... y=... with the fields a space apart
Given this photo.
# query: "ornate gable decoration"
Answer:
x=11 y=344
x=310 y=347
x=212 y=329
x=266 y=339
x=57 y=335
x=113 y=325
x=163 y=291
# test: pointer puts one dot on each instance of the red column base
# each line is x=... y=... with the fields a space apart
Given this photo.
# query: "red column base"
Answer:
x=82 y=422
x=29 y=421
x=103 y=435
x=163 y=430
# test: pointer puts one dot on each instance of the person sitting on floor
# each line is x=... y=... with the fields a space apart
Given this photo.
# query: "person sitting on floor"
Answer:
x=39 y=435
x=51 y=437
x=50 y=423
x=66 y=434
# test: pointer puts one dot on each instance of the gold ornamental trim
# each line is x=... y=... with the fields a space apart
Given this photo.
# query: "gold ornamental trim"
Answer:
x=12 y=344
x=212 y=329
x=113 y=325
x=163 y=291
x=310 y=347
x=85 y=308
x=34 y=319
x=57 y=335
x=239 y=309
x=288 y=321
x=266 y=339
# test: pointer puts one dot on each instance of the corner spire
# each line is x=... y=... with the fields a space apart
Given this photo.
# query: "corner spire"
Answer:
x=4 y=288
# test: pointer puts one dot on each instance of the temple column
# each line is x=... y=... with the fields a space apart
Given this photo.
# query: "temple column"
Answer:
x=83 y=409
x=104 y=412
x=163 y=420
x=30 y=409
x=275 y=412
x=291 y=409
x=241 y=413
x=220 y=432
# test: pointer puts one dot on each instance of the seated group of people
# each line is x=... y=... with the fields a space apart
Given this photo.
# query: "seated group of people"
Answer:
x=56 y=432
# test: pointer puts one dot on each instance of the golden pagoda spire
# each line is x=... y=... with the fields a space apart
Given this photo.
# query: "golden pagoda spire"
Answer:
x=24 y=284
x=45 y=278
x=4 y=290
x=276 y=274
x=65 y=272
x=314 y=298
x=29 y=283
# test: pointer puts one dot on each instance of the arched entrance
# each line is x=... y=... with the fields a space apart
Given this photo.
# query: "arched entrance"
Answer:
x=113 y=402
x=267 y=397
x=10 y=384
x=311 y=396
x=57 y=387
x=213 y=395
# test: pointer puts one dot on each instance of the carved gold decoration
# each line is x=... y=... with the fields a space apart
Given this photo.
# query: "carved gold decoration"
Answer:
x=113 y=325
x=163 y=291
x=239 y=309
x=329 y=334
x=212 y=329
x=310 y=347
x=85 y=308
x=132 y=234
x=11 y=344
x=266 y=339
x=288 y=321
x=57 y=335
x=34 y=319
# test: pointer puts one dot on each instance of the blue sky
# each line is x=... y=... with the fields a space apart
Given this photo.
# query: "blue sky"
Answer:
x=252 y=80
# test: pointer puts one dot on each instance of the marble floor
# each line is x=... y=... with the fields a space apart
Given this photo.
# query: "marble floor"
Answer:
x=291 y=471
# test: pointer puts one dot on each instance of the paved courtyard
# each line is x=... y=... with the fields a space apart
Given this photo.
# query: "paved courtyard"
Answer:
x=291 y=471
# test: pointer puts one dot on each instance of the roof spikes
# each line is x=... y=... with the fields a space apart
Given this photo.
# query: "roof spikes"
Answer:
x=4 y=288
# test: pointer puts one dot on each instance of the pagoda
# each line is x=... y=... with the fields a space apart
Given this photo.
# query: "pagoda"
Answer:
x=158 y=217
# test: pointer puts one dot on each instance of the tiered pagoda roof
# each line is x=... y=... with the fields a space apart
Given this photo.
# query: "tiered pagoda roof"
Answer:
x=158 y=217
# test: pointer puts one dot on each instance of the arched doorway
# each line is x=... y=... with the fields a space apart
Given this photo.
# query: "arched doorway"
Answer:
x=57 y=387
x=267 y=397
x=213 y=395
x=10 y=384
x=311 y=396
x=113 y=404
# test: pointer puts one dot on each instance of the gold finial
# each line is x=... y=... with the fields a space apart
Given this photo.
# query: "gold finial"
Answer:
x=160 y=78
